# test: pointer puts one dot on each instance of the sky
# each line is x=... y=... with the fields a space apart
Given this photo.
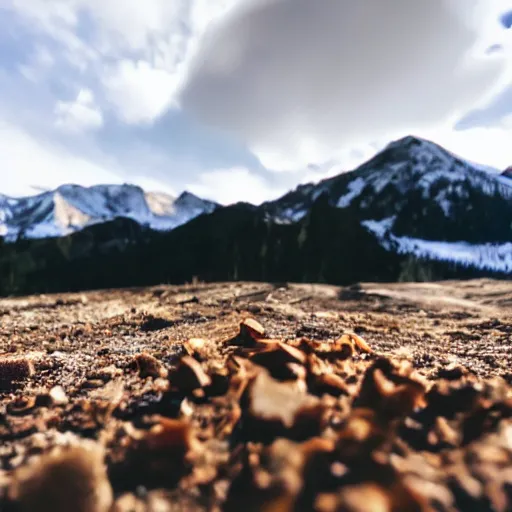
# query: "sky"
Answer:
x=244 y=99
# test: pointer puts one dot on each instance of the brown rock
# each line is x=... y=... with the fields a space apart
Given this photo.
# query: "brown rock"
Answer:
x=251 y=328
x=170 y=435
x=67 y=479
x=282 y=361
x=271 y=400
x=195 y=346
x=281 y=409
x=189 y=375
x=328 y=383
x=150 y=366
x=390 y=389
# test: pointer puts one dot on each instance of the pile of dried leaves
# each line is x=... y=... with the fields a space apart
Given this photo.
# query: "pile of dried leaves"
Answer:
x=258 y=424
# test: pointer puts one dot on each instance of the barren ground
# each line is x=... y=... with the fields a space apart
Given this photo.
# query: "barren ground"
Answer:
x=215 y=416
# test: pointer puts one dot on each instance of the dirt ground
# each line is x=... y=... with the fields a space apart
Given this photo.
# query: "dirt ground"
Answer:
x=252 y=396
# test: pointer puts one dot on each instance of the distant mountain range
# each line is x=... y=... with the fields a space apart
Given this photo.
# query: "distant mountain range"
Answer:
x=71 y=208
x=413 y=212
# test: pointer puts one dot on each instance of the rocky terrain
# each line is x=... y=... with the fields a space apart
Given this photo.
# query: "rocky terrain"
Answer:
x=251 y=396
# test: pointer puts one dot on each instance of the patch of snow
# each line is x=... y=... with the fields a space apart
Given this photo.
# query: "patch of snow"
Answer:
x=288 y=215
x=379 y=227
x=504 y=180
x=45 y=230
x=160 y=204
x=495 y=257
x=355 y=188
x=66 y=215
x=380 y=179
x=293 y=214
x=443 y=201
x=482 y=167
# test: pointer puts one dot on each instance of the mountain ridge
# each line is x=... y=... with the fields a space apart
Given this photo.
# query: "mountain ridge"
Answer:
x=70 y=208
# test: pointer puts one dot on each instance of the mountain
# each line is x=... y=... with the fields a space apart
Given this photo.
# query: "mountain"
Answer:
x=413 y=212
x=419 y=199
x=71 y=208
x=407 y=170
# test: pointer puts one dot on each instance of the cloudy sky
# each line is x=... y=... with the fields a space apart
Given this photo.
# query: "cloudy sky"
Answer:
x=244 y=99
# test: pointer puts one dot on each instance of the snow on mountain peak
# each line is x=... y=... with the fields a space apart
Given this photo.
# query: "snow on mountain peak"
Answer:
x=160 y=203
x=66 y=215
x=73 y=207
x=425 y=189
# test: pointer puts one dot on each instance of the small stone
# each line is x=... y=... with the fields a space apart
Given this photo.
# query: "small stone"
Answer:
x=58 y=396
x=150 y=366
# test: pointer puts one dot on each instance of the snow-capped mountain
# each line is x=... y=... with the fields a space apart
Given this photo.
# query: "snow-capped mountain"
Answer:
x=70 y=208
x=417 y=198
x=403 y=167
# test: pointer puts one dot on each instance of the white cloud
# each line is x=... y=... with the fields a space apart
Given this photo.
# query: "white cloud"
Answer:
x=228 y=186
x=48 y=14
x=284 y=79
x=139 y=92
x=133 y=23
x=299 y=80
x=40 y=63
x=59 y=20
x=138 y=50
x=80 y=114
x=28 y=162
x=483 y=145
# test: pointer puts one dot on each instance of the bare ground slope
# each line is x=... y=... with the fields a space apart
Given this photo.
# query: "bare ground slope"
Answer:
x=158 y=397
